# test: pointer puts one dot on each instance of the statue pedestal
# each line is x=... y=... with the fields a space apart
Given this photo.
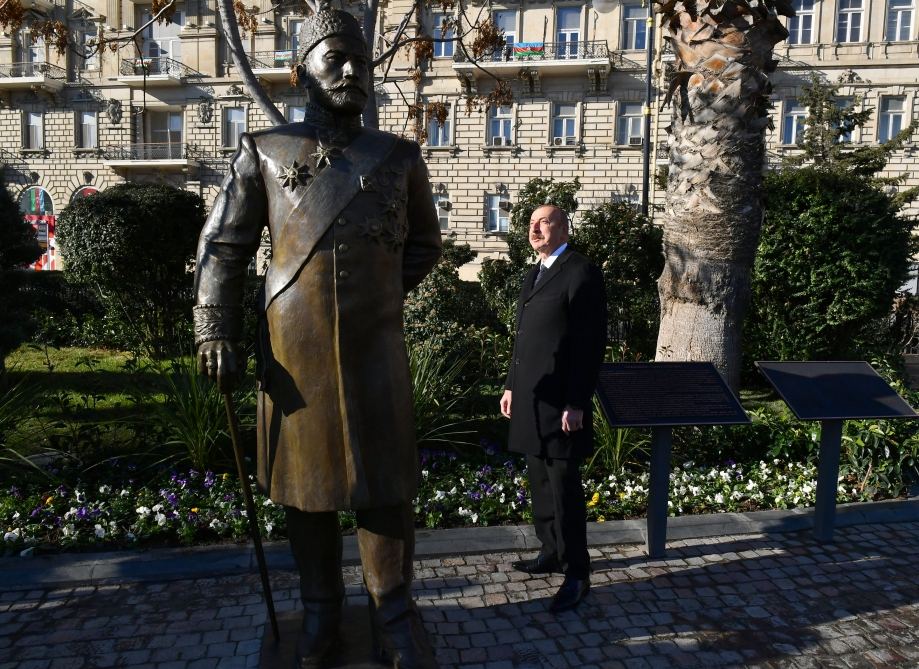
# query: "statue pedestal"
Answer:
x=355 y=652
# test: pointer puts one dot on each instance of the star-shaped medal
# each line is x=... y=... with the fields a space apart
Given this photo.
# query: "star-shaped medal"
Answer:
x=293 y=175
x=323 y=155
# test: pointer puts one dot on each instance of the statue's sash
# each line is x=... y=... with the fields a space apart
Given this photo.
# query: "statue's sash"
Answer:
x=323 y=200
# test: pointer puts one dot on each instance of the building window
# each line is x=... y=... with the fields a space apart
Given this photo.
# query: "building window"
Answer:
x=34 y=131
x=33 y=49
x=165 y=135
x=293 y=35
x=87 y=131
x=564 y=125
x=442 y=203
x=634 y=26
x=438 y=135
x=801 y=26
x=234 y=125
x=890 y=120
x=83 y=191
x=443 y=35
x=161 y=40
x=793 y=122
x=845 y=104
x=899 y=20
x=500 y=126
x=506 y=20
x=88 y=53
x=295 y=114
x=849 y=21
x=567 y=31
x=631 y=123
x=498 y=207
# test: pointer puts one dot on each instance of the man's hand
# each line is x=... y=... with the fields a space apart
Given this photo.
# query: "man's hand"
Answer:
x=572 y=420
x=217 y=361
x=506 y=404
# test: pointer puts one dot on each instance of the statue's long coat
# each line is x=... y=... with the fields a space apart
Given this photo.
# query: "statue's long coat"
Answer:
x=335 y=423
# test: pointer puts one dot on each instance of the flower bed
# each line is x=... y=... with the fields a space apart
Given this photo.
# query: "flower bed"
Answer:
x=201 y=507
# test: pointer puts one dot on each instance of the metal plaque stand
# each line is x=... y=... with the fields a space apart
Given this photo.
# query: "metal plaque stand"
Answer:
x=662 y=395
x=832 y=392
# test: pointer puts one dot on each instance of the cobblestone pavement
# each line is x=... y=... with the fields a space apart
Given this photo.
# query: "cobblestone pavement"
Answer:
x=753 y=600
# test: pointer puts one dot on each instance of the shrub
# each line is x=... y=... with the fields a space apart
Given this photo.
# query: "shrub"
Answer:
x=67 y=313
x=832 y=254
x=18 y=247
x=134 y=243
x=627 y=248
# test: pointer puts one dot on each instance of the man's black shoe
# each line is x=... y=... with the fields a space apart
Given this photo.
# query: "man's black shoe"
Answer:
x=543 y=564
x=571 y=593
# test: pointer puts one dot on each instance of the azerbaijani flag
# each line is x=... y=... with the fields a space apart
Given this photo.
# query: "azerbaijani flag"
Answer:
x=529 y=50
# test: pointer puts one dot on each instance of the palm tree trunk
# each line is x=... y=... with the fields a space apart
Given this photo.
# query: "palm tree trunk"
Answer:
x=714 y=203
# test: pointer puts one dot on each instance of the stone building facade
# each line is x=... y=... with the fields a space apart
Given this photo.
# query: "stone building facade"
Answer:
x=170 y=108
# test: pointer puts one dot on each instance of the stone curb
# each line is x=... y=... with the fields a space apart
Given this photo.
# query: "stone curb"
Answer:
x=167 y=564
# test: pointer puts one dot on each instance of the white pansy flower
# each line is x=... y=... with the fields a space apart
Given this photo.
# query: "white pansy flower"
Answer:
x=99 y=531
x=143 y=511
x=160 y=519
x=11 y=536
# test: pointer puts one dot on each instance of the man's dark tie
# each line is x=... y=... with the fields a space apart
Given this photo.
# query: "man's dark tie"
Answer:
x=539 y=275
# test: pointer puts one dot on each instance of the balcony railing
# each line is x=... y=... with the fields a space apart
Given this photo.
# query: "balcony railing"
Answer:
x=150 y=151
x=46 y=70
x=525 y=52
x=150 y=67
x=272 y=59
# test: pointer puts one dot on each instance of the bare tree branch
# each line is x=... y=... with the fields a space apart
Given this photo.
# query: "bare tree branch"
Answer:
x=231 y=31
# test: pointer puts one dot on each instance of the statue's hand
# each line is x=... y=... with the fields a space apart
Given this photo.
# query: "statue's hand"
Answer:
x=217 y=361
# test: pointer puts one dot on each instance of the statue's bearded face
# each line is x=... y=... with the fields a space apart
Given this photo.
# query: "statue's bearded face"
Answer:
x=339 y=74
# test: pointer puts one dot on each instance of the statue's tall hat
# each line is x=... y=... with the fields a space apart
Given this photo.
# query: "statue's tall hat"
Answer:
x=327 y=22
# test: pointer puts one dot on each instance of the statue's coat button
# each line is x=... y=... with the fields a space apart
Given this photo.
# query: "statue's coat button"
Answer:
x=342 y=220
x=342 y=248
x=344 y=274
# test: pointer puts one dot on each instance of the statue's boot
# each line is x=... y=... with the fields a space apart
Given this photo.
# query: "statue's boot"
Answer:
x=315 y=540
x=319 y=639
x=386 y=539
x=399 y=635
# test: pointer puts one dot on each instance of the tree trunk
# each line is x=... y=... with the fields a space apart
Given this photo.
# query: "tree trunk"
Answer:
x=371 y=111
x=714 y=203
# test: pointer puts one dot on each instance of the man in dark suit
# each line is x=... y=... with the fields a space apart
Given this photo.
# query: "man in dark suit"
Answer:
x=558 y=347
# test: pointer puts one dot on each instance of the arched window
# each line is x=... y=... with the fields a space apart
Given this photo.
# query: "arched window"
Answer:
x=36 y=201
x=37 y=209
x=84 y=191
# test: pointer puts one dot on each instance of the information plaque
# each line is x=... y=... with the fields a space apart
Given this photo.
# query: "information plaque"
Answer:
x=650 y=394
x=832 y=392
x=662 y=395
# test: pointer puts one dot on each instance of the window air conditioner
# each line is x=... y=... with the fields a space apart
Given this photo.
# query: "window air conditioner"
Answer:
x=557 y=141
x=444 y=204
x=504 y=205
x=635 y=141
x=497 y=141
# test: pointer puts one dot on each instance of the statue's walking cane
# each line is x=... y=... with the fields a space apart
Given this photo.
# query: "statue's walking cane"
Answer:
x=251 y=513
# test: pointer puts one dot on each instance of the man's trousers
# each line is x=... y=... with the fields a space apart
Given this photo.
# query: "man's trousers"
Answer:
x=560 y=511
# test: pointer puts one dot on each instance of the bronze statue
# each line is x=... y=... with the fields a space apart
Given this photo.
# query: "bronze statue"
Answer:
x=353 y=227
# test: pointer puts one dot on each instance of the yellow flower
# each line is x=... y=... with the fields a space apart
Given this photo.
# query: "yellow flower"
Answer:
x=194 y=509
x=224 y=476
x=594 y=500
x=601 y=519
x=49 y=500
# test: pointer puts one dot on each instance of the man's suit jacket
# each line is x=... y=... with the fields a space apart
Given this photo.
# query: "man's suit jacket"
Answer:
x=335 y=424
x=559 y=343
